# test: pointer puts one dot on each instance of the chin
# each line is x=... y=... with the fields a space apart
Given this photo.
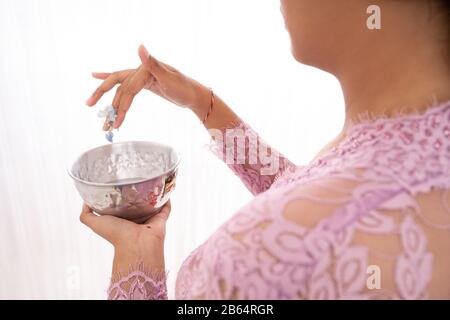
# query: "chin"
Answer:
x=299 y=55
x=313 y=57
x=296 y=55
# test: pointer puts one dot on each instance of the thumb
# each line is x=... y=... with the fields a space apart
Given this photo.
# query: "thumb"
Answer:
x=149 y=62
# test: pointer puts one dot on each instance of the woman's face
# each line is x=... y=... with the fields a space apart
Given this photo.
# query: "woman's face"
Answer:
x=319 y=29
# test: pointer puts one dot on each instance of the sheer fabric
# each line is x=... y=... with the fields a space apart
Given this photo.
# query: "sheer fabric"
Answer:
x=139 y=284
x=368 y=219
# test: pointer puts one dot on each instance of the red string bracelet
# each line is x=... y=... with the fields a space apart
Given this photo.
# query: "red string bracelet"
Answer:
x=210 y=106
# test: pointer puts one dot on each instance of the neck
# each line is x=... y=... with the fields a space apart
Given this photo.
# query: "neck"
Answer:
x=387 y=87
x=395 y=71
x=400 y=88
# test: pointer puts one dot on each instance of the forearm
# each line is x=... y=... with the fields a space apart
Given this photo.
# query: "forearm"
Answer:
x=222 y=116
x=124 y=259
x=237 y=144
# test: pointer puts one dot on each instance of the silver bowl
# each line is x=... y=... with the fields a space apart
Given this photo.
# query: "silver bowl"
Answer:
x=130 y=180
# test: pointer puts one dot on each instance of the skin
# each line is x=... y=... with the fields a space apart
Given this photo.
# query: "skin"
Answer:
x=401 y=68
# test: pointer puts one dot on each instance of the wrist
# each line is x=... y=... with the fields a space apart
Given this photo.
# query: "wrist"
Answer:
x=151 y=257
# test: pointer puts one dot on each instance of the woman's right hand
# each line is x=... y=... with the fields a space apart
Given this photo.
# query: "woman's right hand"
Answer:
x=155 y=76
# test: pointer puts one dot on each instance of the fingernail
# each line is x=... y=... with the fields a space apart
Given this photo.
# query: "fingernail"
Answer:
x=89 y=101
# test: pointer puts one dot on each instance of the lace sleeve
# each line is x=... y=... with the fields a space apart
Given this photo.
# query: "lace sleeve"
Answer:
x=139 y=284
x=248 y=156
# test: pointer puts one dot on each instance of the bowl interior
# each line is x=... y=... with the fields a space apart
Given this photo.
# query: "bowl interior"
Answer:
x=124 y=163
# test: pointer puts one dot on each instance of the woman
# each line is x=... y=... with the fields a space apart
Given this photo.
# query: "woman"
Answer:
x=367 y=218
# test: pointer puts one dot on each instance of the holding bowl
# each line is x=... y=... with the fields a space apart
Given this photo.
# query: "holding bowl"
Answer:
x=130 y=180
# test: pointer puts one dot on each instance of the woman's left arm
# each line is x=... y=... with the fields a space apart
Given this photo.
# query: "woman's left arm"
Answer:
x=138 y=270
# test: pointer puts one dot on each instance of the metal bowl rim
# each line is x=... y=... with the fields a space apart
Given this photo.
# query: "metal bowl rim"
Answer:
x=100 y=184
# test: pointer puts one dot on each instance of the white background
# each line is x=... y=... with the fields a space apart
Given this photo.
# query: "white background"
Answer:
x=47 y=51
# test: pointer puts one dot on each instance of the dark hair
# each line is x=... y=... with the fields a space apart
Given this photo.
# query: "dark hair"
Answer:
x=446 y=13
x=445 y=7
x=440 y=9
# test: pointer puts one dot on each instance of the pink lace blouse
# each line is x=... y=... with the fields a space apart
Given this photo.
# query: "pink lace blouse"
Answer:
x=368 y=219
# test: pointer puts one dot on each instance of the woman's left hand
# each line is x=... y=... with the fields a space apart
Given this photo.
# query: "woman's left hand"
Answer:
x=133 y=243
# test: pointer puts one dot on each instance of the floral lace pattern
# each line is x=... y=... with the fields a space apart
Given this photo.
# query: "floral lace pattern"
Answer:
x=139 y=285
x=370 y=219
x=249 y=146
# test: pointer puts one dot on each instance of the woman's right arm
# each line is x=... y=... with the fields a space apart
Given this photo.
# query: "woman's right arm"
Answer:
x=249 y=157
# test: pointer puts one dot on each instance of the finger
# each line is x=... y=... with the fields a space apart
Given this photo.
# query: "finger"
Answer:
x=150 y=63
x=165 y=211
x=101 y=75
x=86 y=208
x=120 y=118
x=124 y=105
x=104 y=226
x=121 y=75
x=87 y=216
x=162 y=215
x=106 y=85
x=131 y=87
